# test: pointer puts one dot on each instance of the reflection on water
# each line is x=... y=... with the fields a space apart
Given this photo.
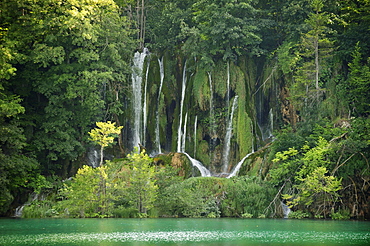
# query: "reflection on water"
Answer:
x=183 y=232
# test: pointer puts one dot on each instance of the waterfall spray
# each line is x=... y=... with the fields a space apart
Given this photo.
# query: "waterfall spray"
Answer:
x=226 y=152
x=184 y=134
x=157 y=138
x=228 y=87
x=137 y=77
x=203 y=170
x=145 y=109
x=195 y=135
x=238 y=166
x=179 y=132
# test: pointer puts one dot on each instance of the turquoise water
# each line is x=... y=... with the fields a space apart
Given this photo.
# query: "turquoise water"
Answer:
x=182 y=232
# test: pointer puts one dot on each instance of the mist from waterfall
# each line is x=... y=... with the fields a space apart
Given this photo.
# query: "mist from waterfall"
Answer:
x=227 y=140
x=204 y=172
x=179 y=132
x=238 y=166
x=157 y=137
x=145 y=108
x=137 y=77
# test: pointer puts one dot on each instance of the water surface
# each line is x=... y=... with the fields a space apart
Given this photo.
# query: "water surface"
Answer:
x=182 y=232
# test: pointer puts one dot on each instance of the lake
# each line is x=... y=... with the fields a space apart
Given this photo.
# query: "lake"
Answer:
x=183 y=231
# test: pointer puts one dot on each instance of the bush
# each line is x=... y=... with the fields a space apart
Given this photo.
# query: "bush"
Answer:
x=298 y=215
x=342 y=214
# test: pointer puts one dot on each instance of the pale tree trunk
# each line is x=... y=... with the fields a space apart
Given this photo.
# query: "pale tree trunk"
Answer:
x=101 y=156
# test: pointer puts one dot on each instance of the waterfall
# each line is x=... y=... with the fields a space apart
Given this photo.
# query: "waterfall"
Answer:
x=228 y=87
x=157 y=138
x=238 y=166
x=271 y=123
x=195 y=135
x=179 y=132
x=184 y=134
x=286 y=210
x=93 y=157
x=203 y=170
x=137 y=77
x=229 y=129
x=145 y=108
x=32 y=197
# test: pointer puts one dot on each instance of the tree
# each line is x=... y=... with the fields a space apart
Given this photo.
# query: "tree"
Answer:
x=142 y=188
x=89 y=193
x=221 y=29
x=359 y=84
x=318 y=192
x=104 y=135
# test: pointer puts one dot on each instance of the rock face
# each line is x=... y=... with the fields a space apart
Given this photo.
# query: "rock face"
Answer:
x=186 y=108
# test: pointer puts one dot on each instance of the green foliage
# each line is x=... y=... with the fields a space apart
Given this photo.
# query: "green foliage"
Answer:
x=358 y=84
x=343 y=214
x=89 y=194
x=298 y=215
x=215 y=197
x=142 y=187
x=104 y=135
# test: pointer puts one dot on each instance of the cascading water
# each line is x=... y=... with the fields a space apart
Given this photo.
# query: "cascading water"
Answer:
x=184 y=134
x=157 y=138
x=195 y=135
x=226 y=151
x=286 y=210
x=137 y=77
x=203 y=170
x=145 y=108
x=238 y=166
x=179 y=132
x=271 y=123
x=93 y=157
x=228 y=87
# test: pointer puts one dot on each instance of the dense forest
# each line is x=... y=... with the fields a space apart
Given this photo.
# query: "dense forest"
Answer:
x=103 y=103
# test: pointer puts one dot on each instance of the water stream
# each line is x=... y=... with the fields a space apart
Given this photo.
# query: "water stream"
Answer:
x=204 y=172
x=137 y=78
x=179 y=132
x=145 y=108
x=157 y=138
x=229 y=129
x=238 y=166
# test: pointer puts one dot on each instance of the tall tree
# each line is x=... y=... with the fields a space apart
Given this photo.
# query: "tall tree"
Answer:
x=104 y=135
x=75 y=60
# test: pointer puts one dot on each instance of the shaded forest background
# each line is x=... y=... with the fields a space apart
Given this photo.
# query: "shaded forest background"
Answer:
x=65 y=65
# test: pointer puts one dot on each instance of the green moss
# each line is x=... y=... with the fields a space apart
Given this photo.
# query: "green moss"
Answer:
x=244 y=133
x=220 y=79
x=201 y=90
x=203 y=152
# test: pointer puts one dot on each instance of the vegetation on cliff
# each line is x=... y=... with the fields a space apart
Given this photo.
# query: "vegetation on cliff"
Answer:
x=300 y=70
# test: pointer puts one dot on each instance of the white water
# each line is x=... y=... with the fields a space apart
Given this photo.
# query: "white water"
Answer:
x=271 y=123
x=157 y=139
x=286 y=210
x=137 y=77
x=184 y=133
x=238 y=166
x=19 y=210
x=203 y=170
x=228 y=87
x=229 y=129
x=145 y=108
x=93 y=157
x=179 y=132
x=195 y=135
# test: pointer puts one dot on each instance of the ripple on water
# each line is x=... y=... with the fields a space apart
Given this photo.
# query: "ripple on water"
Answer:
x=189 y=236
